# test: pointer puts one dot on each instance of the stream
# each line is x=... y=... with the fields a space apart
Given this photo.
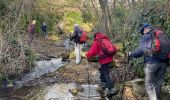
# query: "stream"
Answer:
x=43 y=91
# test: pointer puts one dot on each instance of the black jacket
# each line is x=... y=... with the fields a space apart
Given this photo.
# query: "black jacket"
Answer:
x=76 y=35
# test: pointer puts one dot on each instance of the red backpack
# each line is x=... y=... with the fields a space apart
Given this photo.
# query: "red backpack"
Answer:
x=83 y=36
x=160 y=46
x=107 y=47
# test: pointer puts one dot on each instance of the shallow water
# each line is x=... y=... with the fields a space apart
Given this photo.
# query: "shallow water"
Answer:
x=42 y=67
x=52 y=92
x=43 y=91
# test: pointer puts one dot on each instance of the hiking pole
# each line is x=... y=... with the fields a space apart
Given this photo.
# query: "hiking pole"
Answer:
x=126 y=70
x=88 y=79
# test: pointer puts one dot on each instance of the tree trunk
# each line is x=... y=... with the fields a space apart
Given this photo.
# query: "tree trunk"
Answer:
x=106 y=18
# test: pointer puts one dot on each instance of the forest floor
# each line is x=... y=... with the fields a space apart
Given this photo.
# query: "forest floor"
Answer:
x=45 y=47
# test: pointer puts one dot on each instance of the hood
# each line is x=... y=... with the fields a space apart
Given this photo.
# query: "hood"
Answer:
x=100 y=35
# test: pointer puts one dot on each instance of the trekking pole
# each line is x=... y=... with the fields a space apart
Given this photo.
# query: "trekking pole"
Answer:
x=126 y=70
x=69 y=43
x=88 y=79
x=69 y=46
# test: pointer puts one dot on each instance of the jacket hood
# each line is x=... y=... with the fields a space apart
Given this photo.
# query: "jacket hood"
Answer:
x=100 y=35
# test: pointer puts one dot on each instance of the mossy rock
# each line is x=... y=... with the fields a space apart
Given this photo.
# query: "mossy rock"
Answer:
x=165 y=95
x=65 y=56
x=72 y=55
x=167 y=77
x=139 y=89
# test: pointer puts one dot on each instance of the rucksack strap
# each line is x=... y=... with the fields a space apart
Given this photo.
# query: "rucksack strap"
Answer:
x=155 y=45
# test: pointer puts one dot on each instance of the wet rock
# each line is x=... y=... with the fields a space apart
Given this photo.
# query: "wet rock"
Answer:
x=138 y=88
x=65 y=57
x=74 y=92
x=51 y=56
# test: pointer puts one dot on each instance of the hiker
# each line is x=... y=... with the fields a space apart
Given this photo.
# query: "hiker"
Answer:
x=104 y=59
x=31 y=30
x=78 y=45
x=44 y=29
x=155 y=68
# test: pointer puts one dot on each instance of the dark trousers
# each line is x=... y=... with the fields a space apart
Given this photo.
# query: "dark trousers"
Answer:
x=30 y=38
x=45 y=32
x=104 y=75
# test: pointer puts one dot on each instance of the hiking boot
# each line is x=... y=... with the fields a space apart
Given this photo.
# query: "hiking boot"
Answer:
x=112 y=92
x=102 y=85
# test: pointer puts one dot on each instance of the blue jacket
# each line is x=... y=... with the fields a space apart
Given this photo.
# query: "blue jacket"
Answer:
x=144 y=45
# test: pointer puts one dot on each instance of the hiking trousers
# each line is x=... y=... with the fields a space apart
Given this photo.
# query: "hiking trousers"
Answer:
x=154 y=78
x=104 y=75
x=45 y=33
x=78 y=48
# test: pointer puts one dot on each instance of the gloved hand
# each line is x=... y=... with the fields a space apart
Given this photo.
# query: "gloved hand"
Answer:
x=84 y=54
x=128 y=54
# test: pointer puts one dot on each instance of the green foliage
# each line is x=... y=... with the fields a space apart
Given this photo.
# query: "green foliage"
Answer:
x=139 y=68
x=167 y=76
x=70 y=18
x=87 y=17
x=3 y=6
x=31 y=57
x=128 y=21
x=4 y=78
x=13 y=39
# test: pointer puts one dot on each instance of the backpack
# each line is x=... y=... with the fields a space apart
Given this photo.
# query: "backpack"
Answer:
x=160 y=46
x=107 y=47
x=81 y=36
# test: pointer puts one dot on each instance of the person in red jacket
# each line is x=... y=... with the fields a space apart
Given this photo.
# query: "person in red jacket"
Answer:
x=31 y=30
x=95 y=50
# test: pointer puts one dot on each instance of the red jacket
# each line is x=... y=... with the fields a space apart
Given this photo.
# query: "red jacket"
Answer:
x=31 y=28
x=95 y=50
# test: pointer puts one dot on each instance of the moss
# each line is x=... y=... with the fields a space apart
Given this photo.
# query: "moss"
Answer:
x=70 y=18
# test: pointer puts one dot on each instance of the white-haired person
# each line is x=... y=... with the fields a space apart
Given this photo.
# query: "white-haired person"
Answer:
x=78 y=46
x=31 y=30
